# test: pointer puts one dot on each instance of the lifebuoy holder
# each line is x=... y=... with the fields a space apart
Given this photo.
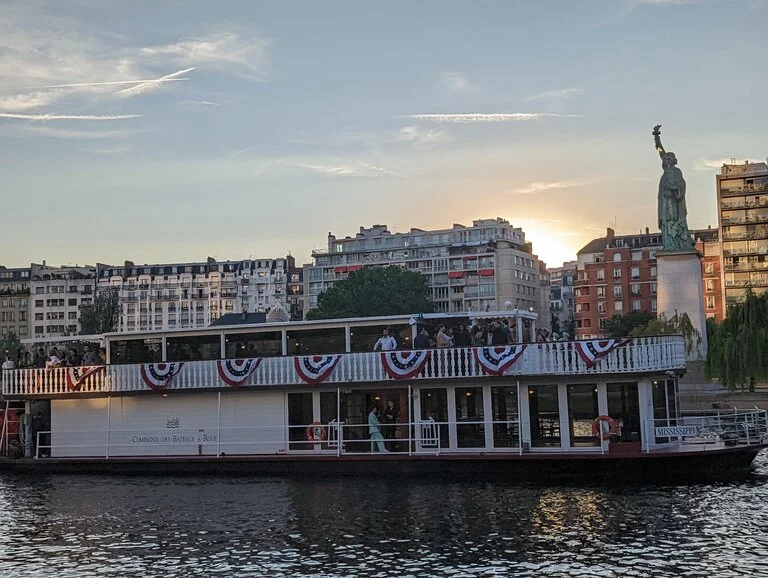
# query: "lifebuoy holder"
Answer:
x=600 y=430
x=316 y=432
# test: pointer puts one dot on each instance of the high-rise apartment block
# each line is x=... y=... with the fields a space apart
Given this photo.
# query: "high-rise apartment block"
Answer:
x=561 y=304
x=193 y=295
x=14 y=302
x=485 y=267
x=616 y=274
x=56 y=294
x=742 y=201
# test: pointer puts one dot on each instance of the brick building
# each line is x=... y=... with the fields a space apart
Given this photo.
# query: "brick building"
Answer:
x=616 y=274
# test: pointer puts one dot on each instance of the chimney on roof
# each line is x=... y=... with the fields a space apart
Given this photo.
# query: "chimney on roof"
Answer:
x=647 y=230
x=129 y=264
x=211 y=260
x=610 y=234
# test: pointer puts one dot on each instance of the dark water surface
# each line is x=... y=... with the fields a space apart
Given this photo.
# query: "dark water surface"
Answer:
x=107 y=526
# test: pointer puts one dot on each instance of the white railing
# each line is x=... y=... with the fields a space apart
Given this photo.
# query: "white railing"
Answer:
x=726 y=428
x=641 y=355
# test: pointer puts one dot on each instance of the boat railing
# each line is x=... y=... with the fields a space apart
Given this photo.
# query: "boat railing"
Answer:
x=427 y=436
x=728 y=428
x=641 y=355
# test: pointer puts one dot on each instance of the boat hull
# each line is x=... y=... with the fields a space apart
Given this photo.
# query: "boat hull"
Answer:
x=706 y=465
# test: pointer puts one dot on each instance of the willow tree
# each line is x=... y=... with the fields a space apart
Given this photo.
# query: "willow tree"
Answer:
x=738 y=347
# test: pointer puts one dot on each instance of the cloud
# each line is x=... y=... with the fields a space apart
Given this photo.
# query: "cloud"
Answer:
x=342 y=169
x=153 y=84
x=110 y=150
x=53 y=132
x=559 y=94
x=486 y=117
x=199 y=103
x=49 y=116
x=108 y=83
x=540 y=187
x=247 y=58
x=455 y=82
x=422 y=138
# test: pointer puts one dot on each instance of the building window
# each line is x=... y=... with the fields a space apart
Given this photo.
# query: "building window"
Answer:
x=653 y=271
x=601 y=306
x=653 y=288
x=637 y=255
x=616 y=257
x=635 y=288
x=601 y=323
x=617 y=291
x=653 y=305
x=636 y=305
x=618 y=308
x=635 y=272
x=710 y=284
x=709 y=268
x=710 y=302
x=600 y=274
x=617 y=273
x=601 y=291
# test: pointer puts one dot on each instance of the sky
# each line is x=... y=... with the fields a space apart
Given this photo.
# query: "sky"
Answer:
x=173 y=130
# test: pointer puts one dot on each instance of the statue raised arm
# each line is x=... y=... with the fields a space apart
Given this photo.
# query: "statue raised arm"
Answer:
x=657 y=139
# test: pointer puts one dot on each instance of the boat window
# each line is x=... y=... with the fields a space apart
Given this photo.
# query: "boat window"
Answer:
x=582 y=411
x=191 y=348
x=506 y=422
x=299 y=418
x=470 y=417
x=364 y=338
x=624 y=408
x=434 y=406
x=316 y=341
x=242 y=345
x=136 y=351
x=545 y=416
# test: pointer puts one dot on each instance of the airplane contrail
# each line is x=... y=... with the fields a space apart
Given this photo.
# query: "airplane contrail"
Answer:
x=48 y=116
x=152 y=84
x=113 y=82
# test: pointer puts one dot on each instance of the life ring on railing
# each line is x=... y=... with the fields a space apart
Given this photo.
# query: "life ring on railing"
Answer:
x=601 y=431
x=316 y=432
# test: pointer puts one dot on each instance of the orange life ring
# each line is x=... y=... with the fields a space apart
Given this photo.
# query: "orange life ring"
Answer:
x=599 y=431
x=316 y=432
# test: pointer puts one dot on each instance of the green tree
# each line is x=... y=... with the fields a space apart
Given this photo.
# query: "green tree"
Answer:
x=738 y=347
x=102 y=314
x=681 y=325
x=623 y=325
x=9 y=346
x=374 y=291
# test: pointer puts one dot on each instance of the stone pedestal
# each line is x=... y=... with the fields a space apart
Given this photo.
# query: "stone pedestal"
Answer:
x=680 y=290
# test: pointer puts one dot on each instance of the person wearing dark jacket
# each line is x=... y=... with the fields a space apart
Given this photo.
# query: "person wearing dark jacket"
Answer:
x=421 y=341
x=462 y=338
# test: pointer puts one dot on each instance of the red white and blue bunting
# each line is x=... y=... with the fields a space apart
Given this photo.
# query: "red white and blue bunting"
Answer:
x=592 y=351
x=496 y=360
x=235 y=372
x=77 y=375
x=315 y=369
x=157 y=376
x=404 y=364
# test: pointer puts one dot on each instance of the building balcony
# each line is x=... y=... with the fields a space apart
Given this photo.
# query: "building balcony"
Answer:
x=647 y=355
x=742 y=252
x=730 y=205
x=745 y=190
x=758 y=281
x=761 y=233
x=749 y=219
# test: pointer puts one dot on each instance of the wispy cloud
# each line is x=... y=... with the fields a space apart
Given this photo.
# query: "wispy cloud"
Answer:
x=247 y=57
x=48 y=116
x=108 y=83
x=540 y=187
x=423 y=138
x=709 y=164
x=199 y=103
x=558 y=94
x=56 y=132
x=150 y=85
x=486 y=117
x=339 y=168
x=109 y=150
x=455 y=82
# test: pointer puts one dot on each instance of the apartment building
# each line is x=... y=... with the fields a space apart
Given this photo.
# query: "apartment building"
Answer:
x=742 y=201
x=192 y=295
x=561 y=304
x=617 y=274
x=485 y=267
x=708 y=244
x=56 y=294
x=14 y=302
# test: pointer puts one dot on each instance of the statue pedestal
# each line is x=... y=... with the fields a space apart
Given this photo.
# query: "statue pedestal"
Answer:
x=679 y=288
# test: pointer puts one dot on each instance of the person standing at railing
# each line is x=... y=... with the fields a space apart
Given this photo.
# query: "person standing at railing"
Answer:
x=8 y=363
x=421 y=341
x=390 y=425
x=374 y=430
x=386 y=342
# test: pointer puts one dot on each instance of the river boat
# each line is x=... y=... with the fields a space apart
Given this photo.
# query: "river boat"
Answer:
x=297 y=398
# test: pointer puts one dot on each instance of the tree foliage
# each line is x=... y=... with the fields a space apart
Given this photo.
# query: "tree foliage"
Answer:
x=660 y=325
x=738 y=347
x=9 y=346
x=374 y=291
x=622 y=325
x=101 y=316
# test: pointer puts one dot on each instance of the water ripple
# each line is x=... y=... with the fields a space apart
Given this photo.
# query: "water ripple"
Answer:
x=82 y=526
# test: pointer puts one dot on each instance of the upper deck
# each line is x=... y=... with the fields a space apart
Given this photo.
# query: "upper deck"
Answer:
x=647 y=355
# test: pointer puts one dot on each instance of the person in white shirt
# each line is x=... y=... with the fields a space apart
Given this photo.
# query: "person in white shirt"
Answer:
x=8 y=364
x=386 y=342
x=53 y=359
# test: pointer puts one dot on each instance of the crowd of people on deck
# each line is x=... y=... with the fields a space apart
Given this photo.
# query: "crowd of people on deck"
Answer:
x=495 y=333
x=53 y=357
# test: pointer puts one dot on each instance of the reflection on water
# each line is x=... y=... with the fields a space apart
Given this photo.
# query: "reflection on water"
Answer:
x=108 y=526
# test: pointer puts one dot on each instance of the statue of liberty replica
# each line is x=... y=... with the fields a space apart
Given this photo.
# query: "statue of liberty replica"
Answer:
x=673 y=214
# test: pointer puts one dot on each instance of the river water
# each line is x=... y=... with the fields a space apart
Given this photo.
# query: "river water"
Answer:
x=84 y=526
